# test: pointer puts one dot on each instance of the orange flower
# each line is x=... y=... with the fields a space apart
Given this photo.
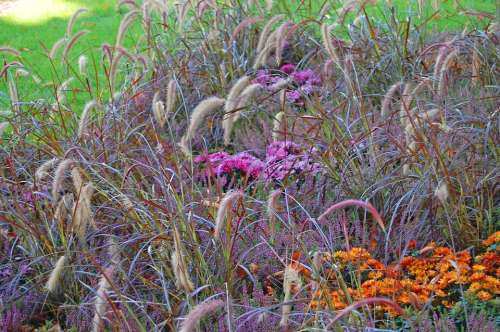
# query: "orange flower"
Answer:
x=375 y=275
x=492 y=239
x=484 y=296
x=474 y=287
x=490 y=260
x=442 y=251
x=407 y=261
x=375 y=264
x=477 y=276
x=478 y=268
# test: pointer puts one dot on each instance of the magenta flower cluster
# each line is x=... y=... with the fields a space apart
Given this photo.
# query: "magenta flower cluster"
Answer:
x=286 y=158
x=242 y=162
x=219 y=164
x=283 y=159
x=306 y=81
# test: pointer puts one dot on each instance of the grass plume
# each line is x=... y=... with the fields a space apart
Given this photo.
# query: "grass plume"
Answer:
x=203 y=109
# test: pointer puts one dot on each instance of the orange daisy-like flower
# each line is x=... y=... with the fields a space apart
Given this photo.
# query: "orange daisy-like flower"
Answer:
x=375 y=275
x=407 y=261
x=491 y=260
x=484 y=296
x=442 y=251
x=492 y=239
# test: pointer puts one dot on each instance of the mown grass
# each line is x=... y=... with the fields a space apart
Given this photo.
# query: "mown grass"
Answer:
x=34 y=34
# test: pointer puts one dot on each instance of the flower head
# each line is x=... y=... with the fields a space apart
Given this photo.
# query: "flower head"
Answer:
x=288 y=68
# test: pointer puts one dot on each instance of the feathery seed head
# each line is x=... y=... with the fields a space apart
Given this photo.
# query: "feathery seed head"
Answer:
x=59 y=176
x=171 y=97
x=389 y=97
x=53 y=284
x=43 y=171
x=199 y=113
x=266 y=30
x=85 y=117
x=198 y=312
x=224 y=209
x=159 y=110
x=82 y=213
x=442 y=192
x=102 y=298
x=82 y=65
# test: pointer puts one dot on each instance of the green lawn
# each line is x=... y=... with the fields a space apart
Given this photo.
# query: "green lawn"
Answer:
x=34 y=28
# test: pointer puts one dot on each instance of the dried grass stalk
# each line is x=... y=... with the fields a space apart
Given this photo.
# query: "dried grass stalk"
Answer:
x=59 y=176
x=77 y=177
x=82 y=213
x=73 y=41
x=72 y=20
x=199 y=113
x=273 y=205
x=182 y=280
x=328 y=44
x=102 y=298
x=291 y=282
x=127 y=20
x=406 y=99
x=61 y=215
x=248 y=94
x=61 y=90
x=82 y=65
x=57 y=45
x=278 y=123
x=171 y=97
x=21 y=72
x=53 y=284
x=10 y=50
x=85 y=117
x=266 y=30
x=262 y=56
x=198 y=313
x=231 y=105
x=43 y=171
x=280 y=40
x=389 y=98
x=443 y=80
x=159 y=110
x=225 y=209
x=243 y=24
x=14 y=98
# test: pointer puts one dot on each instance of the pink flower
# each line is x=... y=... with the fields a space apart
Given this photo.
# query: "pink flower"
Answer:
x=211 y=157
x=281 y=149
x=288 y=68
x=306 y=76
x=286 y=158
x=211 y=161
x=265 y=78
x=293 y=96
x=243 y=162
